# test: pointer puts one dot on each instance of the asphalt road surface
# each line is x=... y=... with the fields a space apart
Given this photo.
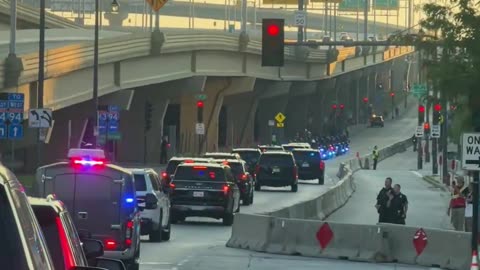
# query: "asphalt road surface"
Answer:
x=200 y=243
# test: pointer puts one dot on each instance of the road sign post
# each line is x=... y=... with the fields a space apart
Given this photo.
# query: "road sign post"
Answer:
x=300 y=18
x=280 y=118
x=419 y=132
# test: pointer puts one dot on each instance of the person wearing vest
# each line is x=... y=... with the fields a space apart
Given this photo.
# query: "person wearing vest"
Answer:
x=458 y=203
x=375 y=157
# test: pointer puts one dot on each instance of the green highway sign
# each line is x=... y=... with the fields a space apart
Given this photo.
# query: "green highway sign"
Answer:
x=419 y=90
x=386 y=4
x=351 y=5
x=201 y=97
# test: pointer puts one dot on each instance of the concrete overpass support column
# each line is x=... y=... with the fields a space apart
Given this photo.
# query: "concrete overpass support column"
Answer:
x=241 y=111
x=298 y=108
x=323 y=113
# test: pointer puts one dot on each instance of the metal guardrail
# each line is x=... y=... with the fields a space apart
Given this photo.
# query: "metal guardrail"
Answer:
x=78 y=56
x=32 y=15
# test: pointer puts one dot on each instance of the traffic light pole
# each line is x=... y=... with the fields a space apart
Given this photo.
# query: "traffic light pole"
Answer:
x=434 y=146
x=301 y=5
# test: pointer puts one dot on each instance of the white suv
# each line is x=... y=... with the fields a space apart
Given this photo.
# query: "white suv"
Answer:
x=155 y=222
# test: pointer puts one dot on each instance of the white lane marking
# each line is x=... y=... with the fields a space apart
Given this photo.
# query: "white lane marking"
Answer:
x=417 y=174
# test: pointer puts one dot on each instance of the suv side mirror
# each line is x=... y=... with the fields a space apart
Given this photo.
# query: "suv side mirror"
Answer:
x=109 y=264
x=151 y=202
x=84 y=234
x=92 y=248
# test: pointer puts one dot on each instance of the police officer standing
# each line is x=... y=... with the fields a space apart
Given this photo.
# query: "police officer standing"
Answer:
x=382 y=200
x=375 y=157
x=397 y=205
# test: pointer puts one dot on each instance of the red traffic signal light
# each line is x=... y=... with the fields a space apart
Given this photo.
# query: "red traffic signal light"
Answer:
x=392 y=94
x=365 y=100
x=421 y=108
x=273 y=29
x=199 y=104
x=342 y=106
x=334 y=106
x=426 y=126
x=437 y=107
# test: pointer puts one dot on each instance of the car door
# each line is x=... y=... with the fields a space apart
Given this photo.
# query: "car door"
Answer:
x=160 y=195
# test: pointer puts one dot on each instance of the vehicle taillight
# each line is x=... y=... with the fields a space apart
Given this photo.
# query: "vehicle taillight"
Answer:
x=164 y=175
x=226 y=189
x=128 y=233
x=67 y=252
x=172 y=186
x=110 y=245
x=242 y=177
x=295 y=174
x=322 y=165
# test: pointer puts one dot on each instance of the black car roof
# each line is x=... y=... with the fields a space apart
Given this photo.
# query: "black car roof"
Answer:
x=272 y=153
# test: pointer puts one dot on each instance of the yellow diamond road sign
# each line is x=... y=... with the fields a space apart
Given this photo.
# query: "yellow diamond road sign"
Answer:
x=280 y=125
x=156 y=4
x=280 y=117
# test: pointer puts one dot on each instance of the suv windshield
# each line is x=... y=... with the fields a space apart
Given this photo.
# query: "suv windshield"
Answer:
x=277 y=160
x=304 y=156
x=12 y=254
x=199 y=173
x=172 y=166
x=251 y=157
x=47 y=219
x=140 y=183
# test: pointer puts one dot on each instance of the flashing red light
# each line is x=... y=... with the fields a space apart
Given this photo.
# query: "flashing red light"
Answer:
x=243 y=177
x=421 y=108
x=83 y=162
x=365 y=100
x=334 y=106
x=392 y=94
x=199 y=167
x=128 y=242
x=67 y=255
x=437 y=107
x=273 y=30
x=226 y=189
x=189 y=161
x=172 y=186
x=164 y=175
x=199 y=104
x=342 y=106
x=426 y=126
x=211 y=175
x=110 y=244
x=129 y=224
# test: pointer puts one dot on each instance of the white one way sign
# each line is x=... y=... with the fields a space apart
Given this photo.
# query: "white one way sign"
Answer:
x=471 y=151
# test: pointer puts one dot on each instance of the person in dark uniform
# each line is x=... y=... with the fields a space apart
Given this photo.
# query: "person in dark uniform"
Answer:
x=397 y=205
x=382 y=200
x=163 y=150
x=375 y=157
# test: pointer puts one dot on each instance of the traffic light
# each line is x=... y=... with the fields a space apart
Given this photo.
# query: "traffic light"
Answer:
x=437 y=107
x=436 y=114
x=334 y=106
x=426 y=128
x=392 y=94
x=365 y=100
x=200 y=111
x=342 y=106
x=421 y=114
x=273 y=42
x=148 y=116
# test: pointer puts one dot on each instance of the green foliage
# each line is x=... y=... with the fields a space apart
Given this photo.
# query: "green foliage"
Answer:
x=461 y=123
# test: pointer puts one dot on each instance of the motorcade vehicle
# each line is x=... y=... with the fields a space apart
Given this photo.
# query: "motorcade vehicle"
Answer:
x=101 y=198
x=291 y=146
x=67 y=249
x=172 y=166
x=309 y=164
x=276 y=169
x=204 y=190
x=250 y=155
x=243 y=178
x=265 y=148
x=154 y=222
x=376 y=121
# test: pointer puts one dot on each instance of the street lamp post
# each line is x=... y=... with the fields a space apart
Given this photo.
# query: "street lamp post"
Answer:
x=115 y=7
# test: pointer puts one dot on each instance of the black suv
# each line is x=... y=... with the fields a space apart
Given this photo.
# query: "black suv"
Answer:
x=172 y=166
x=244 y=179
x=310 y=165
x=204 y=190
x=276 y=169
x=250 y=155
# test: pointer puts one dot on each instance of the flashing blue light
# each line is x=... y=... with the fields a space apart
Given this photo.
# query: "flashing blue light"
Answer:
x=330 y=154
x=312 y=154
x=129 y=200
x=343 y=150
x=347 y=149
x=322 y=150
x=324 y=156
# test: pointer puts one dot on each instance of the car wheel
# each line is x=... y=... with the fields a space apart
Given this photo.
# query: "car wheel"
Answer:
x=166 y=231
x=133 y=264
x=321 y=180
x=258 y=187
x=294 y=187
x=246 y=201
x=156 y=235
x=228 y=219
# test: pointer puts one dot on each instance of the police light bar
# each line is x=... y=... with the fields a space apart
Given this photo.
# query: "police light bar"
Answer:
x=84 y=162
